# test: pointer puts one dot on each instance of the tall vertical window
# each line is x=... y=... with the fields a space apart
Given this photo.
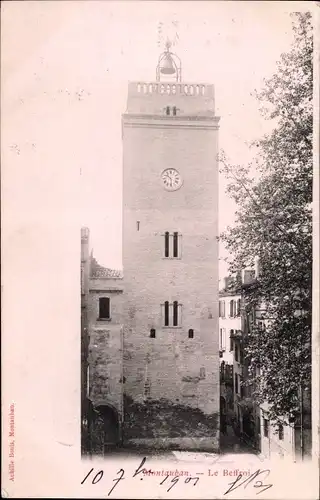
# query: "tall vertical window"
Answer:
x=172 y=245
x=166 y=244
x=236 y=352
x=166 y=313
x=222 y=308
x=175 y=244
x=222 y=339
x=231 y=310
x=280 y=431
x=238 y=307
x=190 y=333
x=231 y=340
x=104 y=308
x=266 y=427
x=236 y=383
x=171 y=314
x=175 y=313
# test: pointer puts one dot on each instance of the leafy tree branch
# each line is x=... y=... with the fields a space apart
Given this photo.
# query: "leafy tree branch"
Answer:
x=274 y=223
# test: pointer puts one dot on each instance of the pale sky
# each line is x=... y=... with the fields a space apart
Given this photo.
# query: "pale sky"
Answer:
x=73 y=60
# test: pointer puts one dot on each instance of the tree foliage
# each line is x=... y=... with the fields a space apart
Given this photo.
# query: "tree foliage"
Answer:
x=274 y=223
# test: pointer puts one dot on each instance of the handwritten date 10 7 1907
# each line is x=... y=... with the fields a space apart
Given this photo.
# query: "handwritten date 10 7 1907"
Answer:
x=168 y=484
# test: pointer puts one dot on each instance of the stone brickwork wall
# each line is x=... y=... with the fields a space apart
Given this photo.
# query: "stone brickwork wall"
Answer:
x=171 y=366
x=106 y=345
x=105 y=367
x=161 y=422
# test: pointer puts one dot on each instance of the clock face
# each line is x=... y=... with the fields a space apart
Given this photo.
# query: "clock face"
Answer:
x=171 y=179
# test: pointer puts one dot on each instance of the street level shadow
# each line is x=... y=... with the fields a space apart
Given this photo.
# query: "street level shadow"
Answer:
x=232 y=443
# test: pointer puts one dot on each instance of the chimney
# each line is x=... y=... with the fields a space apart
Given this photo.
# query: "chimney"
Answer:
x=84 y=233
x=84 y=244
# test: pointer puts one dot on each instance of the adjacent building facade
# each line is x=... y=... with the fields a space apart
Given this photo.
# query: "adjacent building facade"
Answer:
x=287 y=440
x=101 y=353
x=229 y=325
x=250 y=420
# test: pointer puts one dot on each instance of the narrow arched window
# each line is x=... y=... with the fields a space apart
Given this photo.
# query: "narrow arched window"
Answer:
x=175 y=313
x=175 y=244
x=166 y=313
x=174 y=111
x=152 y=333
x=190 y=333
x=168 y=110
x=166 y=244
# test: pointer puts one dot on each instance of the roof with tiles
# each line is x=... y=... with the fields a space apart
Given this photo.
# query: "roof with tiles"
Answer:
x=98 y=271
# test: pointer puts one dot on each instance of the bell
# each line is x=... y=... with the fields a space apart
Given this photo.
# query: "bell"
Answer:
x=167 y=66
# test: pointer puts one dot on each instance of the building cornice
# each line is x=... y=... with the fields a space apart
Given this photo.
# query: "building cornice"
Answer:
x=106 y=289
x=158 y=121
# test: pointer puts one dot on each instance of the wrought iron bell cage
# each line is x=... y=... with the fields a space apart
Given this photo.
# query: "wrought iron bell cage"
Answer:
x=169 y=64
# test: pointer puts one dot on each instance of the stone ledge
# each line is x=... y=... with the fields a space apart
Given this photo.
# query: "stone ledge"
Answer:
x=183 y=443
x=150 y=121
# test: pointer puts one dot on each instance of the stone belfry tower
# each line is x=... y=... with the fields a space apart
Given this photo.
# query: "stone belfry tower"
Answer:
x=170 y=261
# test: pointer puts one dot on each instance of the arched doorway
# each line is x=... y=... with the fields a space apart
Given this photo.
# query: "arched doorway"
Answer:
x=105 y=429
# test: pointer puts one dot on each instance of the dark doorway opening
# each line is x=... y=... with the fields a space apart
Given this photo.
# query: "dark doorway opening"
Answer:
x=105 y=430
